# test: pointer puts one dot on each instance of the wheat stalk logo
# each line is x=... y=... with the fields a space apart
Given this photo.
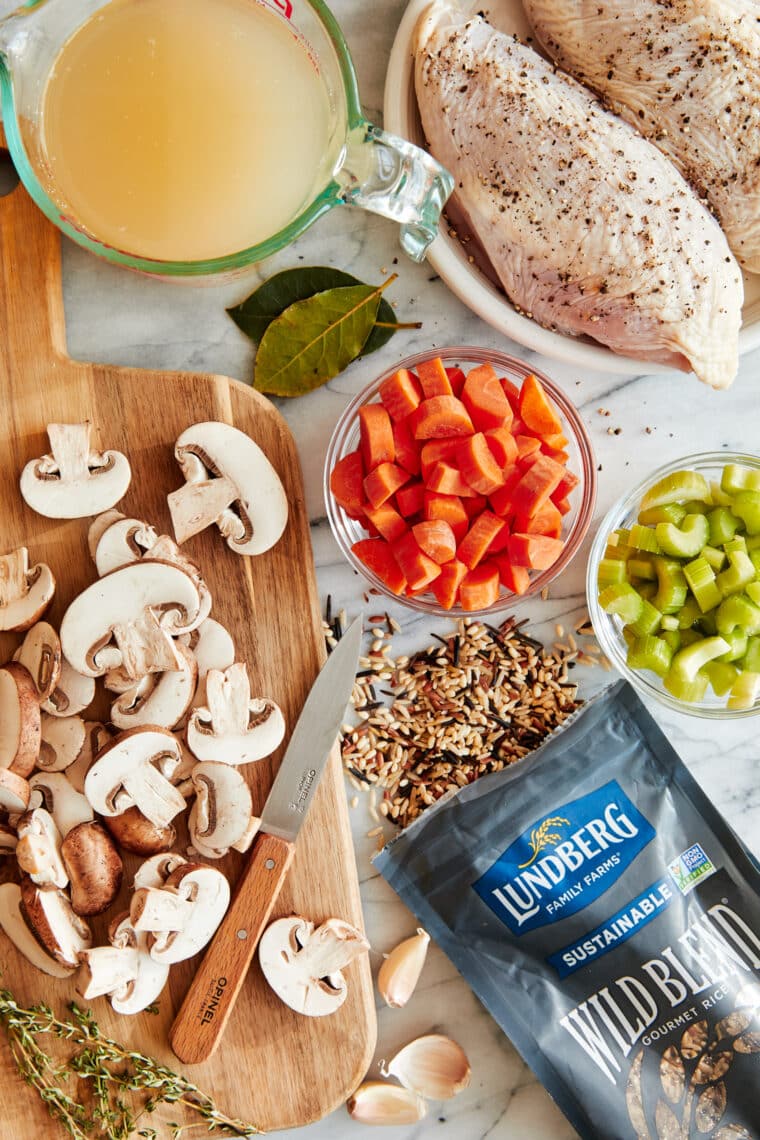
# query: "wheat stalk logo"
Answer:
x=543 y=836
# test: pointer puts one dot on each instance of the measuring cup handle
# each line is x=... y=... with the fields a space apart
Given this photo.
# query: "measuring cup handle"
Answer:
x=390 y=176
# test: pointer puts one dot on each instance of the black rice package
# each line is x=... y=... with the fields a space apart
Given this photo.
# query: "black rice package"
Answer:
x=608 y=917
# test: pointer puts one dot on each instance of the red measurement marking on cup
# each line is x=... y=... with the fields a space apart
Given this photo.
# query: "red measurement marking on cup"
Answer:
x=284 y=6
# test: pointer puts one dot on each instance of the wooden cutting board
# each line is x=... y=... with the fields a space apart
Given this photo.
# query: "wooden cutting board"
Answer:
x=274 y=1068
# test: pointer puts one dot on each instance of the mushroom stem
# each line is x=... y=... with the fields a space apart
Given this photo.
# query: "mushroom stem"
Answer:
x=14 y=568
x=331 y=947
x=107 y=968
x=228 y=697
x=197 y=505
x=70 y=448
x=160 y=910
x=145 y=647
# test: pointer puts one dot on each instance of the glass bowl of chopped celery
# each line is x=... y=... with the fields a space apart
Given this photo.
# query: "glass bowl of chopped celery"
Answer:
x=673 y=585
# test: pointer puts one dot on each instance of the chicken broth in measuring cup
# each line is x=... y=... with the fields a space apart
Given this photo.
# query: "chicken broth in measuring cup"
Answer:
x=184 y=130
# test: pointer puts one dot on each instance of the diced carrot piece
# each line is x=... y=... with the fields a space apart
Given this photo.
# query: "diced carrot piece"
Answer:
x=410 y=499
x=401 y=393
x=562 y=505
x=512 y=392
x=447 y=480
x=556 y=442
x=527 y=446
x=414 y=418
x=347 y=483
x=567 y=483
x=417 y=568
x=387 y=521
x=436 y=539
x=446 y=585
x=376 y=436
x=450 y=508
x=407 y=451
x=441 y=417
x=547 y=521
x=534 y=551
x=378 y=557
x=370 y=527
x=537 y=483
x=436 y=450
x=475 y=544
x=536 y=409
x=500 y=500
x=480 y=588
x=484 y=398
x=478 y=465
x=558 y=456
x=456 y=380
x=514 y=578
x=434 y=379
x=499 y=542
x=502 y=444
x=475 y=505
x=384 y=481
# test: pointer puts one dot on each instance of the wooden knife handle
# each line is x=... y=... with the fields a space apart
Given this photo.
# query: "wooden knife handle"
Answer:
x=203 y=1015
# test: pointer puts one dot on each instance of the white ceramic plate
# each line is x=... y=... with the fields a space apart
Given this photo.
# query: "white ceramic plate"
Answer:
x=450 y=258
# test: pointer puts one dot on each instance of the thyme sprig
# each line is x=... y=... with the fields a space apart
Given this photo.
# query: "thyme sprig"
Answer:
x=125 y=1086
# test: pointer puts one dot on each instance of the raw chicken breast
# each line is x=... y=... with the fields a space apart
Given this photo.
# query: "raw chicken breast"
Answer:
x=590 y=229
x=687 y=74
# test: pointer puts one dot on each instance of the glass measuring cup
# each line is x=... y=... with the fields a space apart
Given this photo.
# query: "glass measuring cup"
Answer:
x=363 y=165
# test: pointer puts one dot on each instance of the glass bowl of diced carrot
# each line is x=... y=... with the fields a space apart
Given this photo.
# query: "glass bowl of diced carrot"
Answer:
x=460 y=481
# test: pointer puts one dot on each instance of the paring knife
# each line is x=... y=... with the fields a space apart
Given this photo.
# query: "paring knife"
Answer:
x=200 y=1023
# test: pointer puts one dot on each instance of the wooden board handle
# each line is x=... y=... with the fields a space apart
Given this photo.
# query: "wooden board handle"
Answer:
x=203 y=1015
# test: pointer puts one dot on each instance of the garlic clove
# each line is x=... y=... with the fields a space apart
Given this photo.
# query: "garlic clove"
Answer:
x=433 y=1066
x=376 y=1102
x=401 y=970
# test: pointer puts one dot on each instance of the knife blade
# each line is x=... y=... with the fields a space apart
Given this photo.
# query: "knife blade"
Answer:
x=203 y=1015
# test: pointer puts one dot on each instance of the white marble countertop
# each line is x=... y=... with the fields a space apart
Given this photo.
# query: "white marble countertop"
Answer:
x=116 y=317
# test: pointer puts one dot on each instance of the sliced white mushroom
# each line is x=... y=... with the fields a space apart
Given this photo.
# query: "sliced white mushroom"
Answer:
x=67 y=806
x=133 y=832
x=38 y=851
x=122 y=543
x=63 y=739
x=72 y=694
x=74 y=481
x=124 y=970
x=98 y=526
x=25 y=591
x=133 y=770
x=229 y=482
x=183 y=771
x=222 y=812
x=128 y=618
x=155 y=871
x=94 y=868
x=158 y=698
x=40 y=654
x=14 y=925
x=15 y=792
x=165 y=549
x=183 y=915
x=96 y=737
x=303 y=964
x=213 y=648
x=50 y=917
x=231 y=727
x=19 y=720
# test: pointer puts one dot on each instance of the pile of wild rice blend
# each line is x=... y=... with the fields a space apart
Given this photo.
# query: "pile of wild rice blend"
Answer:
x=479 y=700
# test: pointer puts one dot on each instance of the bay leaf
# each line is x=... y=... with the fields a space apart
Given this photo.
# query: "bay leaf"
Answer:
x=255 y=314
x=314 y=340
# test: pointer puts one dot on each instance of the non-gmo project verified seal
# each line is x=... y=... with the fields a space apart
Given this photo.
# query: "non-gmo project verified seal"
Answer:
x=691 y=866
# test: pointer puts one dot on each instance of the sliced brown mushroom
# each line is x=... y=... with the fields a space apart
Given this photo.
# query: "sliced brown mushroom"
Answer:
x=67 y=806
x=49 y=915
x=72 y=694
x=63 y=739
x=303 y=964
x=133 y=770
x=74 y=481
x=25 y=591
x=213 y=649
x=124 y=970
x=133 y=832
x=232 y=728
x=155 y=871
x=161 y=699
x=38 y=851
x=122 y=543
x=40 y=654
x=183 y=915
x=19 y=720
x=13 y=923
x=94 y=868
x=14 y=792
x=222 y=812
x=96 y=737
x=98 y=526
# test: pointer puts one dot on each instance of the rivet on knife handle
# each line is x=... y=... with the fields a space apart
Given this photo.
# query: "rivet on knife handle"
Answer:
x=200 y=1022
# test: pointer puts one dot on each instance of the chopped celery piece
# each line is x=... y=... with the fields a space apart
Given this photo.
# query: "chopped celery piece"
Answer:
x=701 y=578
x=642 y=568
x=644 y=538
x=718 y=495
x=678 y=686
x=671 y=586
x=677 y=487
x=737 y=641
x=669 y=621
x=695 y=507
x=736 y=478
x=751 y=659
x=647 y=589
x=686 y=540
x=672 y=638
x=753 y=592
x=738 y=612
x=746 y=506
x=628 y=636
x=723 y=525
x=744 y=691
x=620 y=536
x=689 y=613
x=689 y=636
x=622 y=599
x=753 y=543
x=648 y=621
x=737 y=543
x=687 y=662
x=754 y=557
x=721 y=675
x=610 y=570
x=650 y=653
x=707 y=625
x=668 y=512
x=716 y=558
x=740 y=573
x=618 y=553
